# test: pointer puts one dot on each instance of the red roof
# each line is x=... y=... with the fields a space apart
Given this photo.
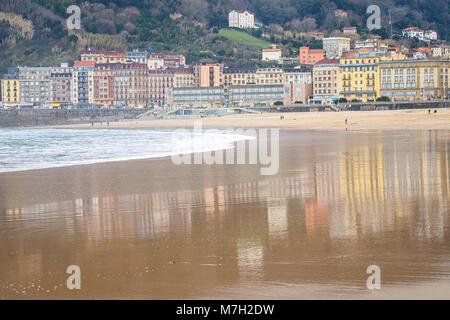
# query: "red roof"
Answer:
x=349 y=28
x=328 y=61
x=84 y=64
x=412 y=29
x=270 y=50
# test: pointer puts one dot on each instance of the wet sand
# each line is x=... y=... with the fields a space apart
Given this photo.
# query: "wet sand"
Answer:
x=150 y=229
x=391 y=119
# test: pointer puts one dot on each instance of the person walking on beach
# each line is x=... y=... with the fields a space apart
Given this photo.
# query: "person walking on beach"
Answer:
x=346 y=121
x=429 y=110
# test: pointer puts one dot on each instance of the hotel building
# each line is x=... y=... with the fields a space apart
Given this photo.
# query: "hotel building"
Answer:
x=326 y=81
x=359 y=77
x=408 y=80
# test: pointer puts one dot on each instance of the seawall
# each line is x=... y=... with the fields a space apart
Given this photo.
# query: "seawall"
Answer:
x=47 y=117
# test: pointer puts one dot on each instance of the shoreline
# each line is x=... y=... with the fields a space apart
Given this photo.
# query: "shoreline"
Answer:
x=357 y=120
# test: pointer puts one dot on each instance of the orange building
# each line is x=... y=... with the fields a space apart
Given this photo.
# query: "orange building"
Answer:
x=310 y=56
x=103 y=84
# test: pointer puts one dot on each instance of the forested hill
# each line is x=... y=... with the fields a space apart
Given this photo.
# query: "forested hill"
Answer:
x=34 y=31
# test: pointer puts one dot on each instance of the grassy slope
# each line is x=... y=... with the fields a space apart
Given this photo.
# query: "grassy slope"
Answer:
x=244 y=38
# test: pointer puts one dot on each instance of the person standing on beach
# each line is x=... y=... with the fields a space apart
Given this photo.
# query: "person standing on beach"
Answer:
x=346 y=121
x=429 y=110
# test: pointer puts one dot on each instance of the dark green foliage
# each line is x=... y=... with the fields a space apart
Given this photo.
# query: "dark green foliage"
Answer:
x=383 y=98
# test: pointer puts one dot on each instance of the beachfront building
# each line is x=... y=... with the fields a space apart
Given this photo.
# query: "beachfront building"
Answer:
x=271 y=54
x=409 y=80
x=326 y=80
x=61 y=85
x=335 y=47
x=208 y=75
x=251 y=95
x=310 y=56
x=10 y=86
x=103 y=89
x=199 y=97
x=239 y=76
x=82 y=83
x=241 y=19
x=35 y=85
x=130 y=84
x=161 y=84
x=182 y=76
x=269 y=76
x=103 y=56
x=297 y=85
x=359 y=76
x=223 y=96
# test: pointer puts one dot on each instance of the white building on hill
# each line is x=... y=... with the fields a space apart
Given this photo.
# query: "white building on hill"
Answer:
x=241 y=19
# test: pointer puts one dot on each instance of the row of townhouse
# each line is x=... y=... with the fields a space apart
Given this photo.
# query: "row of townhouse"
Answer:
x=366 y=76
x=362 y=75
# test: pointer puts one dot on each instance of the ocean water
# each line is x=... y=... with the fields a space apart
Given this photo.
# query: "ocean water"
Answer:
x=26 y=149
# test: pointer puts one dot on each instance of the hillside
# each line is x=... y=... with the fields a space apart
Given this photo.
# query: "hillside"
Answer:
x=33 y=32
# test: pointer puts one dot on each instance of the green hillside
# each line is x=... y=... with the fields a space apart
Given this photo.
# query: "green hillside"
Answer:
x=244 y=38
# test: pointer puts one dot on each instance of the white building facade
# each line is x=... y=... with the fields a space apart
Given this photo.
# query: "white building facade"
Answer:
x=241 y=19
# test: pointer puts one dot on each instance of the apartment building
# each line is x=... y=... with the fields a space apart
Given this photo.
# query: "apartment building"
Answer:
x=61 y=84
x=182 y=76
x=408 y=80
x=35 y=85
x=103 y=56
x=335 y=47
x=359 y=76
x=131 y=84
x=11 y=87
x=83 y=82
x=326 y=81
x=269 y=76
x=103 y=89
x=198 y=96
x=161 y=84
x=297 y=85
x=208 y=75
x=310 y=56
x=239 y=76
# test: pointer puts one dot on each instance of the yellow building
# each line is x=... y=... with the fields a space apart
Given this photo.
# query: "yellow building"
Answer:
x=208 y=75
x=10 y=89
x=359 y=77
x=408 y=80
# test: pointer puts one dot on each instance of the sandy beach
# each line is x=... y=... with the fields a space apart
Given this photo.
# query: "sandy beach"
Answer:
x=391 y=119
